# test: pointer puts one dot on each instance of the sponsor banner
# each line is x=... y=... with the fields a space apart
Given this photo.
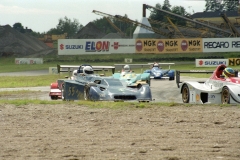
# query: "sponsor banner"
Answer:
x=53 y=70
x=234 y=62
x=95 y=46
x=28 y=61
x=168 y=45
x=210 y=62
x=221 y=44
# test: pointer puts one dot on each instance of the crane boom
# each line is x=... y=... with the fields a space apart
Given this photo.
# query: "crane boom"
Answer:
x=125 y=19
x=230 y=25
x=175 y=27
x=114 y=26
x=212 y=28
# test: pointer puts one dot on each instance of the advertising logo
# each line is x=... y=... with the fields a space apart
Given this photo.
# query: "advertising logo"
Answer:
x=200 y=62
x=160 y=46
x=98 y=46
x=184 y=45
x=61 y=46
x=70 y=46
x=234 y=61
x=115 y=45
x=139 y=45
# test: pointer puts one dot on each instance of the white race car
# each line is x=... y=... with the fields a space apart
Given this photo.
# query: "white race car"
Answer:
x=215 y=90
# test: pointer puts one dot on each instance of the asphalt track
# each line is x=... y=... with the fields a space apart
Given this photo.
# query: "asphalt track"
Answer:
x=163 y=90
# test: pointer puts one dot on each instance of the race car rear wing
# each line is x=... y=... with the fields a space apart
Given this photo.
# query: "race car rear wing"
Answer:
x=169 y=64
x=189 y=71
x=70 y=68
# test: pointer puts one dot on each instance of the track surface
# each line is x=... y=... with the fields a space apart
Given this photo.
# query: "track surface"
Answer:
x=162 y=90
x=74 y=132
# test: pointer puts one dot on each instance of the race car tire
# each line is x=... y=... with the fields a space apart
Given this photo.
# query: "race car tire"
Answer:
x=86 y=91
x=171 y=78
x=225 y=96
x=139 y=86
x=143 y=101
x=54 y=97
x=185 y=94
x=148 y=82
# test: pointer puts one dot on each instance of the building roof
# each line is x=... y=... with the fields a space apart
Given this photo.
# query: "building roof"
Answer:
x=214 y=14
x=112 y=36
x=90 y=31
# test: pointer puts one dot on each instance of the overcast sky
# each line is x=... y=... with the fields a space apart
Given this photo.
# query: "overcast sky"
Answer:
x=42 y=15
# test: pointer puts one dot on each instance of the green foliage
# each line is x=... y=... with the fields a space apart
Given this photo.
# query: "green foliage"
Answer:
x=36 y=34
x=66 y=25
x=224 y=5
x=179 y=10
x=231 y=5
x=110 y=27
x=166 y=5
x=18 y=26
x=156 y=15
x=162 y=17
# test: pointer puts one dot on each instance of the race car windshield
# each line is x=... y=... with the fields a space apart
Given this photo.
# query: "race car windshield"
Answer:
x=89 y=72
x=114 y=82
x=155 y=69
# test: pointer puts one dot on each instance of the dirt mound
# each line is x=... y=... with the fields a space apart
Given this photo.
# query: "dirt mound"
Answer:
x=15 y=43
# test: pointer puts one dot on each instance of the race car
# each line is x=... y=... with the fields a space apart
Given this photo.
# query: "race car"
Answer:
x=215 y=90
x=55 y=87
x=156 y=72
x=132 y=79
x=97 y=88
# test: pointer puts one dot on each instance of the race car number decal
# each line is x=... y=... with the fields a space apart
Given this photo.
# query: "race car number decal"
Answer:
x=192 y=97
x=73 y=91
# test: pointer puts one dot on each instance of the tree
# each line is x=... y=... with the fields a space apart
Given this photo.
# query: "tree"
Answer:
x=106 y=27
x=221 y=5
x=18 y=26
x=231 y=5
x=179 y=10
x=65 y=25
x=166 y=5
x=54 y=31
x=211 y=5
x=157 y=15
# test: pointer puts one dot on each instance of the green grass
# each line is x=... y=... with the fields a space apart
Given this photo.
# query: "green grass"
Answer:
x=27 y=81
x=103 y=104
x=7 y=64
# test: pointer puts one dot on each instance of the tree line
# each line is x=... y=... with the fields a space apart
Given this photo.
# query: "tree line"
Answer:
x=71 y=27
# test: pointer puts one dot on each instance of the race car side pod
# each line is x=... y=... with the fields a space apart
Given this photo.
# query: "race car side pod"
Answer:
x=189 y=71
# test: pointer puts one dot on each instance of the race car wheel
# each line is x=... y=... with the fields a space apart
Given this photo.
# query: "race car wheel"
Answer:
x=171 y=78
x=225 y=97
x=185 y=94
x=139 y=86
x=148 y=82
x=54 y=97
